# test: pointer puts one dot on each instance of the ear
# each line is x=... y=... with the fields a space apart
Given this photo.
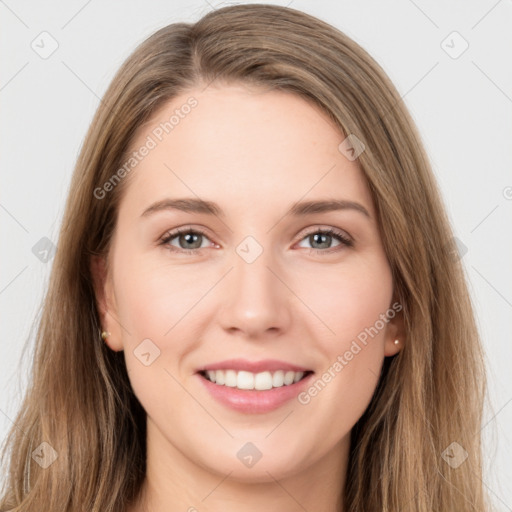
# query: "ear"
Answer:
x=395 y=330
x=105 y=302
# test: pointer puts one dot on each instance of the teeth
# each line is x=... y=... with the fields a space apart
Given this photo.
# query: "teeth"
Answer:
x=219 y=378
x=248 y=380
x=288 y=378
x=278 y=379
x=263 y=380
x=245 y=380
x=231 y=380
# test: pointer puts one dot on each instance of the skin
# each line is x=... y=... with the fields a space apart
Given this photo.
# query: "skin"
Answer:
x=255 y=153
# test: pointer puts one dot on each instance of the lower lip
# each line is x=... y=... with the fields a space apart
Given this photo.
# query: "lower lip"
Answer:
x=253 y=401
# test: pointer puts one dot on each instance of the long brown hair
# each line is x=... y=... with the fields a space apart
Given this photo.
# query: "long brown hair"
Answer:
x=429 y=396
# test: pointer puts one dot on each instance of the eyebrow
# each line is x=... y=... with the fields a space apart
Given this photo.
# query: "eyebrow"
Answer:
x=194 y=205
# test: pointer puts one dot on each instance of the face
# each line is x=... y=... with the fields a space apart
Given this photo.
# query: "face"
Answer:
x=225 y=266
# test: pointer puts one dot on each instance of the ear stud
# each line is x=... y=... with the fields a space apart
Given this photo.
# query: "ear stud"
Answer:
x=105 y=335
x=396 y=342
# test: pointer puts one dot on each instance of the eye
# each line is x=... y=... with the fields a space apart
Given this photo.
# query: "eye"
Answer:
x=323 y=238
x=188 y=240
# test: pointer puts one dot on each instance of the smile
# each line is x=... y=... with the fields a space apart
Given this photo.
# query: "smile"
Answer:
x=256 y=381
x=252 y=387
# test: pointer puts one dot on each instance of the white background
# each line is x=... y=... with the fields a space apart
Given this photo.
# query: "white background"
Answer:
x=462 y=106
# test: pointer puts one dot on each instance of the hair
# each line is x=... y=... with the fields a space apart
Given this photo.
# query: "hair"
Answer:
x=431 y=394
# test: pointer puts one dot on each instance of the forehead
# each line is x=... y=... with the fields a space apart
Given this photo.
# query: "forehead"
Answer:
x=244 y=146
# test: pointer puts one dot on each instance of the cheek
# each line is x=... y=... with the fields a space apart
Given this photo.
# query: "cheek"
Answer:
x=163 y=305
x=153 y=300
x=349 y=301
x=353 y=303
x=154 y=304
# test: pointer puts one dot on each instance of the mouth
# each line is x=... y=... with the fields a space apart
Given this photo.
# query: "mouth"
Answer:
x=251 y=387
x=261 y=381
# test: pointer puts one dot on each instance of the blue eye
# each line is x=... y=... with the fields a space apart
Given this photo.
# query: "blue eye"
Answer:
x=324 y=237
x=191 y=239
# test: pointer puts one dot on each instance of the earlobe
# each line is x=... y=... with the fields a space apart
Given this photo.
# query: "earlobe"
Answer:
x=393 y=347
x=395 y=336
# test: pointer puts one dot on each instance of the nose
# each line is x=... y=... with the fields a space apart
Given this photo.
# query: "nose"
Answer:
x=256 y=302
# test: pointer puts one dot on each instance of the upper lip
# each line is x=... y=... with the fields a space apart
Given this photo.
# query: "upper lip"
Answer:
x=253 y=366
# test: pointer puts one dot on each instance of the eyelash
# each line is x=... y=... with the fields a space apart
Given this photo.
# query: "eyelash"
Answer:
x=344 y=240
x=182 y=231
x=340 y=236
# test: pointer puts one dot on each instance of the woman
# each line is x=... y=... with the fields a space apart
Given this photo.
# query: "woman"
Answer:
x=195 y=353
